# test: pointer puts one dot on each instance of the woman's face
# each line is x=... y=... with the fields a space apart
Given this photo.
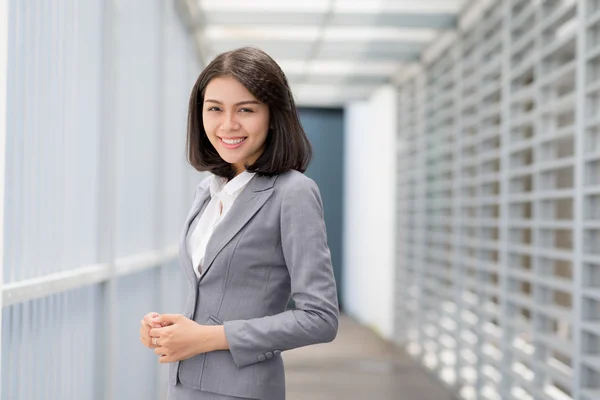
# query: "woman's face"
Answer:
x=235 y=122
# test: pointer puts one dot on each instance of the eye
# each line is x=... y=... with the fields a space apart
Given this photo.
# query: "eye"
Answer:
x=213 y=109
x=246 y=110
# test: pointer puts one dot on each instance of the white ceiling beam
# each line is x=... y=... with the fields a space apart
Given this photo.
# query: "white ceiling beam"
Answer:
x=330 y=90
x=316 y=6
x=309 y=102
x=380 y=19
x=328 y=94
x=249 y=33
x=311 y=33
x=312 y=6
x=379 y=34
x=407 y=6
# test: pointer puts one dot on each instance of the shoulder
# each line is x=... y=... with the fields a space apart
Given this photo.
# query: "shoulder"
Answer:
x=293 y=180
x=294 y=187
x=203 y=186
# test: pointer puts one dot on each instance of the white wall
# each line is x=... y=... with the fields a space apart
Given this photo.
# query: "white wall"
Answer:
x=3 y=73
x=369 y=212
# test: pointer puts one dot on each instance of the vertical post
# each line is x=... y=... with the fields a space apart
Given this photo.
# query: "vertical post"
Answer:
x=537 y=235
x=476 y=206
x=457 y=203
x=159 y=222
x=505 y=315
x=420 y=221
x=399 y=328
x=106 y=348
x=578 y=201
x=3 y=97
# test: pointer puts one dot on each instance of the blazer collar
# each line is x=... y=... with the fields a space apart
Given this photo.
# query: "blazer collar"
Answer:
x=249 y=201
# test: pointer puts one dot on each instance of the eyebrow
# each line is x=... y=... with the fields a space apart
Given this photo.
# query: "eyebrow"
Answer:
x=236 y=104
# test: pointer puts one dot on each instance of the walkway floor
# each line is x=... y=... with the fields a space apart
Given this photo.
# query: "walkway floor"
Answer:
x=357 y=365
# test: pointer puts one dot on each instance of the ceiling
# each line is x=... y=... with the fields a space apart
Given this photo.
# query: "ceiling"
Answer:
x=332 y=51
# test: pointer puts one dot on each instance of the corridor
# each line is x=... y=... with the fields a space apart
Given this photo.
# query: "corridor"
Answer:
x=357 y=365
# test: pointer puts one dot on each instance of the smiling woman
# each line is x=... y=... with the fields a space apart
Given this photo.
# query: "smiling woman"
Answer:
x=254 y=237
x=244 y=94
x=236 y=129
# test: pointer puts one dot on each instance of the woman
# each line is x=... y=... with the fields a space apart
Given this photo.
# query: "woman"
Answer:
x=255 y=235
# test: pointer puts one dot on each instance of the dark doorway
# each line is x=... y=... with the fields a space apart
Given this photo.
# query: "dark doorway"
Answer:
x=325 y=130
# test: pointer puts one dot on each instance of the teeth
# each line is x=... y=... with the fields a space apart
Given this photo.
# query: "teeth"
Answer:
x=235 y=141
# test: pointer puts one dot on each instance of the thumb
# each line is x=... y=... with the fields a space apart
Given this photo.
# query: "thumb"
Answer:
x=148 y=319
x=167 y=319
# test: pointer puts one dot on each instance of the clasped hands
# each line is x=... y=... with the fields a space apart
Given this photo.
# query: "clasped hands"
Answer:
x=175 y=337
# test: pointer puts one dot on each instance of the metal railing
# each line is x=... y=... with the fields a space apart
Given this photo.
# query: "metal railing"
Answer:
x=96 y=188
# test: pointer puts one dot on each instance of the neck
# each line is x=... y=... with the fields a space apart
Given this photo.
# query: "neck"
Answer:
x=237 y=170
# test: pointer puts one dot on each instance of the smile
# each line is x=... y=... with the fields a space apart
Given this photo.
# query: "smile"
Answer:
x=232 y=143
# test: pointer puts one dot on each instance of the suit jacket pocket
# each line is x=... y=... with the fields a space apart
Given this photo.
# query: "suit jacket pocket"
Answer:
x=214 y=320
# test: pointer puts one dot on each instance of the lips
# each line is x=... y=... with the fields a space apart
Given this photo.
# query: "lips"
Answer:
x=232 y=143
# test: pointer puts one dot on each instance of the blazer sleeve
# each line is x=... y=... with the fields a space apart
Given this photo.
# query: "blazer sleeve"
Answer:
x=313 y=287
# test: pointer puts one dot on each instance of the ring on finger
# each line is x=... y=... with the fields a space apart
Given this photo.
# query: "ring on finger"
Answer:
x=155 y=341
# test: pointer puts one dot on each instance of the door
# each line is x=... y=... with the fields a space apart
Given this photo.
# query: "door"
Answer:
x=325 y=130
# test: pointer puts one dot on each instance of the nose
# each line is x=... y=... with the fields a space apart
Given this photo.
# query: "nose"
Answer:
x=229 y=122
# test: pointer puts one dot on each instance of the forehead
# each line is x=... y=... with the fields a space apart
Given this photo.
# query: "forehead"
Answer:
x=227 y=89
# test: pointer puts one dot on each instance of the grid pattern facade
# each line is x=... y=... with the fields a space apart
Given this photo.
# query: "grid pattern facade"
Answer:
x=498 y=258
x=96 y=191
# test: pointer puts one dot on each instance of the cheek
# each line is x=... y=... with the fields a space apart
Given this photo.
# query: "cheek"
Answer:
x=260 y=130
x=209 y=126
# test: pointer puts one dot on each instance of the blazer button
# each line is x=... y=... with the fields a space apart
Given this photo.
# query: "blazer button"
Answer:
x=277 y=352
x=261 y=358
x=269 y=354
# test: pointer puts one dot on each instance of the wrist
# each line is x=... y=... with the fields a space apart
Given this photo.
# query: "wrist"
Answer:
x=217 y=338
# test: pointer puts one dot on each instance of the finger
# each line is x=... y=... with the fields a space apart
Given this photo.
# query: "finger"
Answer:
x=146 y=338
x=150 y=325
x=164 y=359
x=144 y=333
x=159 y=351
x=167 y=318
x=150 y=315
x=156 y=332
x=148 y=319
x=147 y=341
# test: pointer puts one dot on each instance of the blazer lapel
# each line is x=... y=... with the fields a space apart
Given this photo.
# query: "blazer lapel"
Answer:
x=203 y=194
x=249 y=201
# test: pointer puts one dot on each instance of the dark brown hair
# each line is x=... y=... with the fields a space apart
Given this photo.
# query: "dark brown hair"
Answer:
x=286 y=145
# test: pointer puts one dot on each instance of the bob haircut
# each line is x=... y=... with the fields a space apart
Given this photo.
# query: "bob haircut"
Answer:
x=286 y=145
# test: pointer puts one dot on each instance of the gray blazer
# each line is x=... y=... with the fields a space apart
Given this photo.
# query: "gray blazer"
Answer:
x=271 y=244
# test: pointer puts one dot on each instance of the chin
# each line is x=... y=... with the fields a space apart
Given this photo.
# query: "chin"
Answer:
x=231 y=160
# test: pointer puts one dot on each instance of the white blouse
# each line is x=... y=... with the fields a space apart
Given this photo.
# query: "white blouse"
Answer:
x=223 y=195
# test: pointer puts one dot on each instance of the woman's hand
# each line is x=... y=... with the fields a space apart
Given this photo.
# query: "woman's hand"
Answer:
x=147 y=324
x=184 y=338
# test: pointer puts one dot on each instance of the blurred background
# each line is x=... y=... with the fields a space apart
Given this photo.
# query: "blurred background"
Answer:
x=457 y=150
